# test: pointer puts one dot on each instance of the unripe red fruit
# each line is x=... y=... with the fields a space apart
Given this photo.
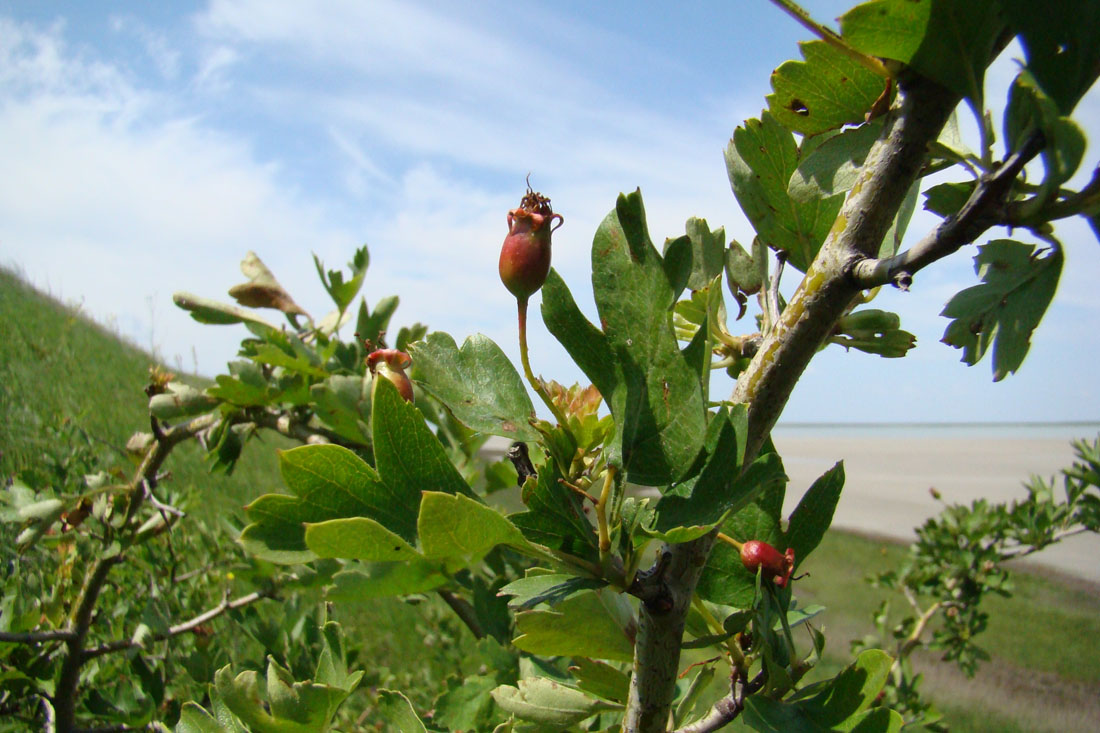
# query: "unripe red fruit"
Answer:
x=525 y=256
x=391 y=364
x=756 y=554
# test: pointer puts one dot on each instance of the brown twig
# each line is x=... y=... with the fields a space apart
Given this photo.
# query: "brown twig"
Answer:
x=984 y=209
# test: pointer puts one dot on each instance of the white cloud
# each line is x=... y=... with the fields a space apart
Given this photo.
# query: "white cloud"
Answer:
x=110 y=207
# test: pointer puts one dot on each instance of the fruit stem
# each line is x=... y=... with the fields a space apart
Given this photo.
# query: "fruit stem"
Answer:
x=729 y=540
x=521 y=303
x=601 y=512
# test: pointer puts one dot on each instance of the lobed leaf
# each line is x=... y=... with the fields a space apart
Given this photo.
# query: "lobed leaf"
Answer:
x=478 y=384
x=1017 y=285
x=761 y=159
x=827 y=90
x=948 y=42
x=580 y=626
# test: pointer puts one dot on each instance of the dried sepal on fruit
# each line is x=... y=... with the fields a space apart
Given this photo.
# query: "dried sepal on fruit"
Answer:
x=391 y=364
x=525 y=255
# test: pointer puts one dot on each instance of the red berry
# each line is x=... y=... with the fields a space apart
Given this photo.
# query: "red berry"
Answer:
x=391 y=364
x=756 y=554
x=525 y=256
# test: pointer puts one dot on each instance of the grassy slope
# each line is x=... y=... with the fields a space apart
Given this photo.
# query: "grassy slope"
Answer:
x=54 y=364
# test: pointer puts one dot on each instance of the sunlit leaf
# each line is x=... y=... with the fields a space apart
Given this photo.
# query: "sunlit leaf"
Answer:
x=824 y=92
x=478 y=384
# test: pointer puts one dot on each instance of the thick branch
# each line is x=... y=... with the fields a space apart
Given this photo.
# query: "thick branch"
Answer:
x=984 y=209
x=666 y=595
x=827 y=291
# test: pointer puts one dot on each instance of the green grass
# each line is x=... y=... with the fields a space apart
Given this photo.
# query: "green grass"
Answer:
x=1044 y=641
x=57 y=368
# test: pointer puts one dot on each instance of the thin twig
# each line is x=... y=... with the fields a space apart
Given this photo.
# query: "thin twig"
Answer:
x=182 y=628
x=981 y=211
x=35 y=637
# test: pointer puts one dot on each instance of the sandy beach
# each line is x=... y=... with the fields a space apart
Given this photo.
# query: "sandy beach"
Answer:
x=889 y=474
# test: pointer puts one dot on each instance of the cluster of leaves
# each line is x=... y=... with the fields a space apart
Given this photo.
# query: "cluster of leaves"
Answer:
x=79 y=516
x=60 y=520
x=960 y=557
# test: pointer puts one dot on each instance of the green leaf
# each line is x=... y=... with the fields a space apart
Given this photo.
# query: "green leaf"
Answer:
x=341 y=292
x=601 y=679
x=291 y=707
x=834 y=166
x=840 y=705
x=719 y=489
x=551 y=588
x=677 y=261
x=194 y=719
x=245 y=385
x=212 y=312
x=873 y=331
x=948 y=42
x=556 y=517
x=1018 y=284
x=331 y=482
x=1062 y=41
x=550 y=703
x=850 y=692
x=467 y=705
x=456 y=526
x=814 y=513
x=408 y=456
x=478 y=384
x=370 y=326
x=1029 y=109
x=288 y=358
x=707 y=252
x=761 y=159
x=357 y=538
x=334 y=481
x=587 y=344
x=398 y=712
x=743 y=270
x=657 y=402
x=580 y=626
x=946 y=199
x=342 y=402
x=826 y=91
x=360 y=583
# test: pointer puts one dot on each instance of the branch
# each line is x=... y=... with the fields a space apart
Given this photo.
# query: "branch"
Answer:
x=464 y=611
x=34 y=637
x=828 y=291
x=984 y=209
x=183 y=628
x=65 y=693
x=728 y=708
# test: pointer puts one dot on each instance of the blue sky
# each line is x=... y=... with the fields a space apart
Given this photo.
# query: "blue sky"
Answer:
x=147 y=147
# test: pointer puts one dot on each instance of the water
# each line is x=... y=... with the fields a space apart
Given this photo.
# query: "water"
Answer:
x=1066 y=431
